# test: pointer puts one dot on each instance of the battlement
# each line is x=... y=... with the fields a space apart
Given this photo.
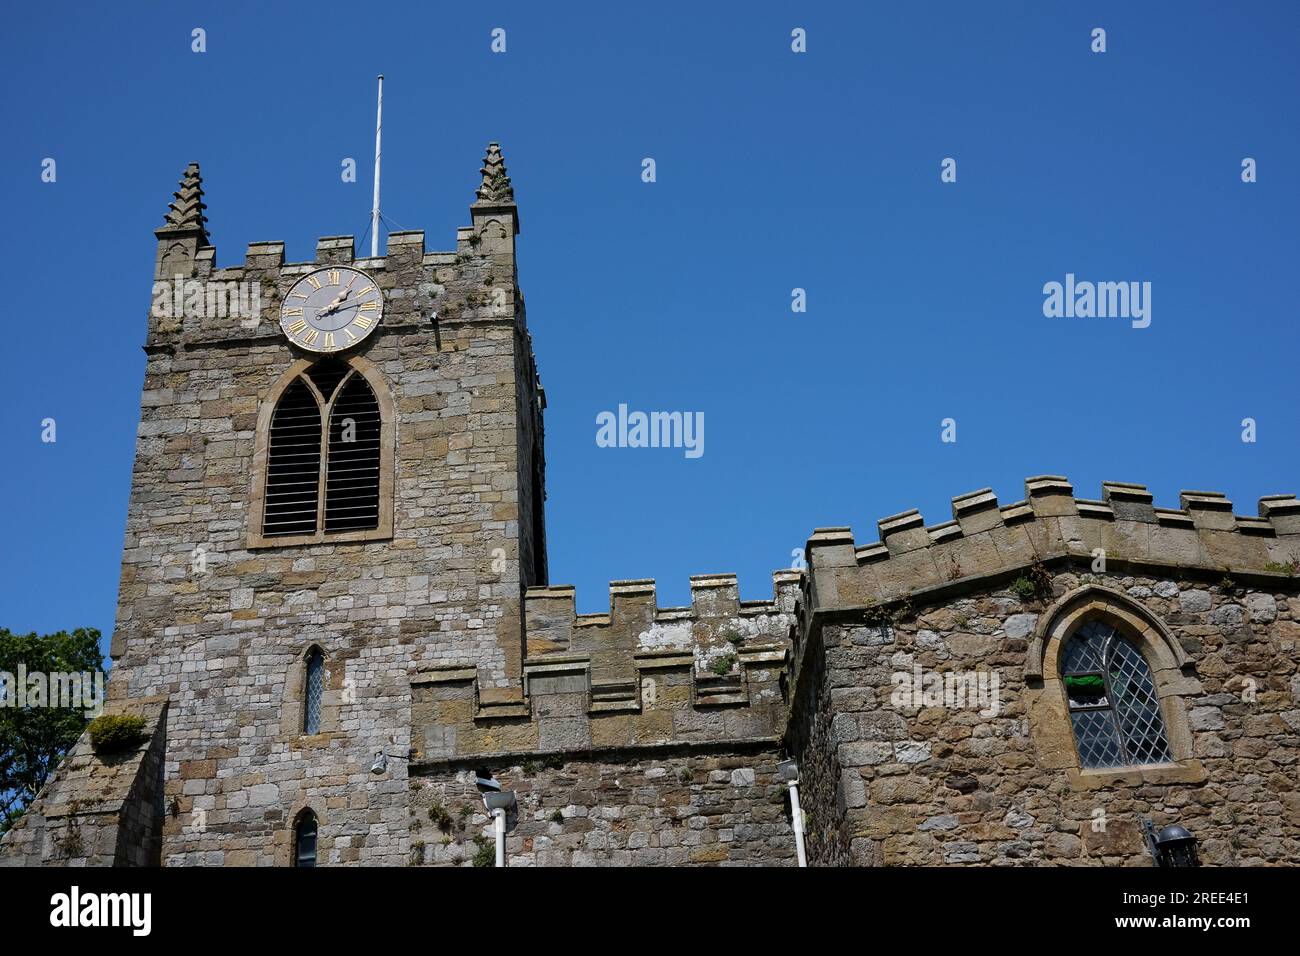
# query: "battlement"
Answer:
x=986 y=538
x=639 y=675
x=197 y=302
x=402 y=248
x=552 y=618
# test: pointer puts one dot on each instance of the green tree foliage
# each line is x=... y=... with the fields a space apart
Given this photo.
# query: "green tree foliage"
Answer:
x=34 y=739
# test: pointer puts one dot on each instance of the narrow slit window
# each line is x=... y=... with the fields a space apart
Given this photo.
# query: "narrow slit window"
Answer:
x=304 y=840
x=314 y=689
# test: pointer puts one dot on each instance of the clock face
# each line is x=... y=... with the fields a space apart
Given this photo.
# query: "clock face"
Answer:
x=331 y=309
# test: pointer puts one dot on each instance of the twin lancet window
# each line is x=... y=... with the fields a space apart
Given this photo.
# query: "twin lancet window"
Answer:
x=323 y=455
x=1114 y=708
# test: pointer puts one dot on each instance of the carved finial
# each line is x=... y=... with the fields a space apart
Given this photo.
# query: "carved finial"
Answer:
x=496 y=186
x=185 y=212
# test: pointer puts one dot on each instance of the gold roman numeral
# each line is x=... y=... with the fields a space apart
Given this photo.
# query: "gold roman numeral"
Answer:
x=369 y=288
x=370 y=306
x=348 y=330
x=310 y=337
x=329 y=337
x=297 y=295
x=315 y=283
x=297 y=327
x=361 y=322
x=334 y=277
x=293 y=311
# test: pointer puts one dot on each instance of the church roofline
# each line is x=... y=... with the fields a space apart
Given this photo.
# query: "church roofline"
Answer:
x=986 y=539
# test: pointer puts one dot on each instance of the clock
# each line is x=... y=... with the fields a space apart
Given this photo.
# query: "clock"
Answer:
x=331 y=309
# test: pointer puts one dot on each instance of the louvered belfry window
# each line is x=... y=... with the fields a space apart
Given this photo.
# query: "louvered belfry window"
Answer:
x=1114 y=707
x=323 y=456
x=352 y=475
x=293 y=464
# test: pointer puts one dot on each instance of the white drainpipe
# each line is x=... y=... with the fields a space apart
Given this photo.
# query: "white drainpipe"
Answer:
x=498 y=802
x=499 y=824
x=788 y=771
x=796 y=820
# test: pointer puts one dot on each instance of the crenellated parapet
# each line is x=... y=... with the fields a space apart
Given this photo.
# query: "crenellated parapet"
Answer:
x=638 y=675
x=892 y=744
x=715 y=624
x=985 y=538
x=196 y=303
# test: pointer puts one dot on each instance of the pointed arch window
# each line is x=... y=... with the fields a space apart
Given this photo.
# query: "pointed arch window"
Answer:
x=293 y=464
x=352 y=468
x=304 y=839
x=313 y=691
x=1113 y=703
x=325 y=450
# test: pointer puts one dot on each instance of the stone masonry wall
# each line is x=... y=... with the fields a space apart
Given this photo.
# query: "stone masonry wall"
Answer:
x=98 y=809
x=671 y=810
x=648 y=736
x=810 y=736
x=1209 y=597
x=531 y=465
x=942 y=785
x=221 y=626
x=638 y=676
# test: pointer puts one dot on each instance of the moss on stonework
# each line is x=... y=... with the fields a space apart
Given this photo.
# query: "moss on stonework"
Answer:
x=440 y=817
x=113 y=733
x=1034 y=583
x=486 y=854
x=722 y=666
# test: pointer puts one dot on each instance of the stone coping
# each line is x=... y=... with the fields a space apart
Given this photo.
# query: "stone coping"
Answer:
x=985 y=540
x=617 y=754
x=557 y=600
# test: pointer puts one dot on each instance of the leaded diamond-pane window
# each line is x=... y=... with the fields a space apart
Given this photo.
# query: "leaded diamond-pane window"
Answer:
x=1114 y=708
x=315 y=687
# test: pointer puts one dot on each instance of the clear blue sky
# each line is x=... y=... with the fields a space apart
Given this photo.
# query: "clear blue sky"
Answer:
x=775 y=171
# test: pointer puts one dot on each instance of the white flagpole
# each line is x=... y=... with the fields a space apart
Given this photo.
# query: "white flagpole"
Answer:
x=374 y=213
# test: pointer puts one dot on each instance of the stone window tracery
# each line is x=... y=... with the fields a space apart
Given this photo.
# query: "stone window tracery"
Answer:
x=324 y=457
x=1107 y=690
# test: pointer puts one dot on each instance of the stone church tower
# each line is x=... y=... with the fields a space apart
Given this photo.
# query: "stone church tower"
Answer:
x=336 y=623
x=218 y=617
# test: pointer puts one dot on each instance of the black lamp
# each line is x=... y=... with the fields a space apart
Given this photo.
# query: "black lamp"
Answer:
x=1171 y=846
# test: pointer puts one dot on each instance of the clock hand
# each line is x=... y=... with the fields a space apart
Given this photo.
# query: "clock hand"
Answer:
x=333 y=307
x=341 y=306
